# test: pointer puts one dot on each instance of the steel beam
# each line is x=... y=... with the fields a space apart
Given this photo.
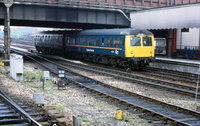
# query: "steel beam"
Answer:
x=151 y=3
x=134 y=3
x=142 y=3
x=159 y=3
x=167 y=3
x=63 y=17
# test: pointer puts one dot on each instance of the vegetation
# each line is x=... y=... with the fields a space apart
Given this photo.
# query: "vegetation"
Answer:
x=84 y=119
x=60 y=107
x=101 y=104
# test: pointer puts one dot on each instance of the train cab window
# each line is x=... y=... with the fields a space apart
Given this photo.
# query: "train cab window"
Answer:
x=135 y=41
x=83 y=40
x=108 y=41
x=102 y=42
x=96 y=43
x=90 y=41
x=147 y=41
x=116 y=41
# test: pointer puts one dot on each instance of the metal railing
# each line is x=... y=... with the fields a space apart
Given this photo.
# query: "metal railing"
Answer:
x=82 y=4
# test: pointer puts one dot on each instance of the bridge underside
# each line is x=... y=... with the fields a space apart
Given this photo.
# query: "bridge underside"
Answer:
x=60 y=17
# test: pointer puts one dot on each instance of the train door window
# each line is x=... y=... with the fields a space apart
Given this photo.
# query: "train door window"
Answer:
x=108 y=41
x=66 y=40
x=147 y=41
x=135 y=41
x=116 y=41
x=42 y=39
x=46 y=38
x=96 y=43
x=49 y=39
x=123 y=42
x=84 y=40
x=90 y=41
x=102 y=42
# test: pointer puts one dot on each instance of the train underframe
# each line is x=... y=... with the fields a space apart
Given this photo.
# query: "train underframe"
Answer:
x=133 y=63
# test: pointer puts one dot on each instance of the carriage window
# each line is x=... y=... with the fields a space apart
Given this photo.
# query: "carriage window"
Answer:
x=116 y=41
x=71 y=41
x=77 y=41
x=52 y=38
x=102 y=42
x=60 y=39
x=96 y=43
x=90 y=41
x=135 y=41
x=123 y=42
x=108 y=41
x=147 y=41
x=83 y=40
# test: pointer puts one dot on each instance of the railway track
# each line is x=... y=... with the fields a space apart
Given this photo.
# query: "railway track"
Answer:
x=156 y=83
x=13 y=115
x=170 y=74
x=167 y=112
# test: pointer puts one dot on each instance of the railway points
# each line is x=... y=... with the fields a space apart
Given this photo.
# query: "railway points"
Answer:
x=96 y=76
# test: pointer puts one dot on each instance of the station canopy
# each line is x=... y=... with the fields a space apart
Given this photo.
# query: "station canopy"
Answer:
x=180 y=16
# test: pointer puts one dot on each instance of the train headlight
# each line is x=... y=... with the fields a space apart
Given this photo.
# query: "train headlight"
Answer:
x=131 y=52
x=151 y=51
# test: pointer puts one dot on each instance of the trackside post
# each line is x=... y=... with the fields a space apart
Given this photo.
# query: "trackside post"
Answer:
x=197 y=84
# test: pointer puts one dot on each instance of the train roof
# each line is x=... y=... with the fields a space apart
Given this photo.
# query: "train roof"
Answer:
x=127 y=31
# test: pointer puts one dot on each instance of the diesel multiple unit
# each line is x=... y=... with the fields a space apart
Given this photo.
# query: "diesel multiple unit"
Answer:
x=129 y=48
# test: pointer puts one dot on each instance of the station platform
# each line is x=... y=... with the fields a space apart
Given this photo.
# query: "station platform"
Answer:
x=178 y=64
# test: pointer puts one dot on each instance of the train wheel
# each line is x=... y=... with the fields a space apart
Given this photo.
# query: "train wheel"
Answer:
x=132 y=66
x=114 y=64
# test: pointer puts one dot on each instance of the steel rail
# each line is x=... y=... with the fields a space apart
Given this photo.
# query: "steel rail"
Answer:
x=170 y=74
x=18 y=109
x=139 y=80
x=165 y=117
x=178 y=63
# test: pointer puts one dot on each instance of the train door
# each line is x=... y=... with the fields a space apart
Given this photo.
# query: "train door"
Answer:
x=102 y=44
x=78 y=43
x=63 y=42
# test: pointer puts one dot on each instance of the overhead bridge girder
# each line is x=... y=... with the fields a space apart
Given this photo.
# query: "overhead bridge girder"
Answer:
x=63 y=17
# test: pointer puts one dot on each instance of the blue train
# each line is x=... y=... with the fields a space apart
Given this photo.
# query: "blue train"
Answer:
x=129 y=48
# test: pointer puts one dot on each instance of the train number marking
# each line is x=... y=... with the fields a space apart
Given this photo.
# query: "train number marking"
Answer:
x=116 y=52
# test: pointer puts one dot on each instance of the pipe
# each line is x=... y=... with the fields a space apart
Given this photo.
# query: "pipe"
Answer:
x=174 y=41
